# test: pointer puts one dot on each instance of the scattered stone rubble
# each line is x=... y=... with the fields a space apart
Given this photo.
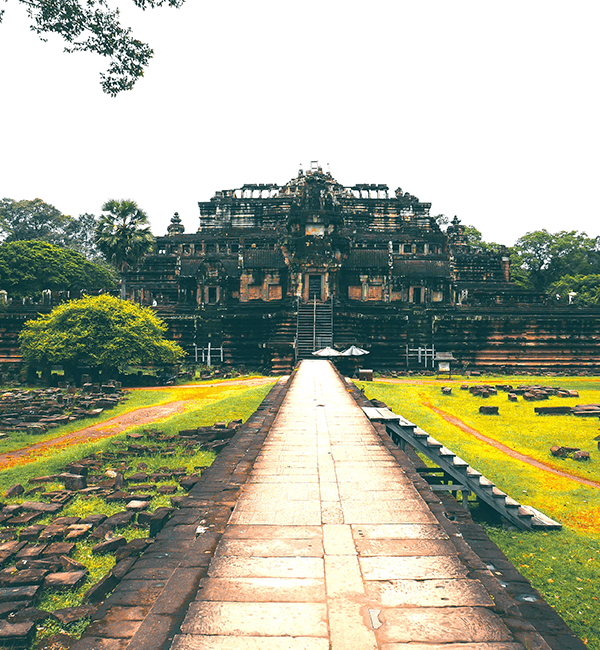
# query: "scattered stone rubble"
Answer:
x=36 y=411
x=37 y=556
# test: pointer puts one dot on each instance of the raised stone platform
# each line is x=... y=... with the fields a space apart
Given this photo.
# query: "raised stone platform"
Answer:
x=313 y=531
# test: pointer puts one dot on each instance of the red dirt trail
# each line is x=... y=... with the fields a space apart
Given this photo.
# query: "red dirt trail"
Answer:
x=507 y=450
x=118 y=424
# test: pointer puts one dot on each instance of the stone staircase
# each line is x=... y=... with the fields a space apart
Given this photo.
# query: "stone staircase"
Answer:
x=457 y=474
x=314 y=328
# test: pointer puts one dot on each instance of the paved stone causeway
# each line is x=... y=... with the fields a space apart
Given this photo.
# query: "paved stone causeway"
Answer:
x=330 y=545
x=312 y=531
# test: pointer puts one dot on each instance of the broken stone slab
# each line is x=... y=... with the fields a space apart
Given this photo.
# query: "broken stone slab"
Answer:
x=77 y=531
x=14 y=491
x=133 y=548
x=109 y=545
x=76 y=468
x=31 y=533
x=119 y=495
x=31 y=614
x=73 y=482
x=12 y=547
x=489 y=410
x=17 y=635
x=98 y=592
x=14 y=594
x=44 y=479
x=30 y=552
x=167 y=489
x=119 y=519
x=12 y=509
x=23 y=578
x=69 y=615
x=581 y=455
x=49 y=564
x=39 y=506
x=23 y=520
x=65 y=579
x=188 y=482
x=120 y=570
x=69 y=564
x=8 y=608
x=59 y=548
x=562 y=452
x=136 y=505
x=158 y=520
x=446 y=390
x=94 y=520
x=553 y=410
x=138 y=476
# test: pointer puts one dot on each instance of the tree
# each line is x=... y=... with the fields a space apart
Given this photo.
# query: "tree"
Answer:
x=123 y=235
x=28 y=220
x=546 y=256
x=586 y=290
x=29 y=267
x=101 y=332
x=92 y=26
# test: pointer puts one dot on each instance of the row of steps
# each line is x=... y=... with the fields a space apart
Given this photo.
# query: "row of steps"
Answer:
x=314 y=328
x=465 y=478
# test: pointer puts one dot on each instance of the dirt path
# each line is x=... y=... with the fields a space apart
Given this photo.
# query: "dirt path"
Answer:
x=118 y=424
x=507 y=450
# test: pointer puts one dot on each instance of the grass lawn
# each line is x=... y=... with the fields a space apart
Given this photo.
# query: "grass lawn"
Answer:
x=562 y=565
x=204 y=406
x=200 y=392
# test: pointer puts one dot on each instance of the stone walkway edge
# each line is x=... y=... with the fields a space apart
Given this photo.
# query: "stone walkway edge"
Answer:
x=145 y=610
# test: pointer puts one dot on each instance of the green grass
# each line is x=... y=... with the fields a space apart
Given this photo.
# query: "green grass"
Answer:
x=223 y=405
x=562 y=565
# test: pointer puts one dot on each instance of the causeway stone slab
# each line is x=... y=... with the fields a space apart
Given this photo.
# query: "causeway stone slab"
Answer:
x=266 y=567
x=256 y=619
x=263 y=589
x=440 y=625
x=412 y=568
x=201 y=642
x=428 y=593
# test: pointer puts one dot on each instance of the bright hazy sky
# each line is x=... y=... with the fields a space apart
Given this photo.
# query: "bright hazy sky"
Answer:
x=488 y=110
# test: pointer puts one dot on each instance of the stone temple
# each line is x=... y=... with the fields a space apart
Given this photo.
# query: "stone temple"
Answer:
x=274 y=272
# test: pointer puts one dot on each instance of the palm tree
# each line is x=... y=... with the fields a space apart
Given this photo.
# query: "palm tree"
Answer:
x=123 y=235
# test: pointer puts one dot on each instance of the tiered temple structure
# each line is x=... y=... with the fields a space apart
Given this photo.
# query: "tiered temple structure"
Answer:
x=274 y=272
x=314 y=239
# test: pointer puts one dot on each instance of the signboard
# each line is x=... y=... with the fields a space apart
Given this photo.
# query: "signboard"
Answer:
x=444 y=366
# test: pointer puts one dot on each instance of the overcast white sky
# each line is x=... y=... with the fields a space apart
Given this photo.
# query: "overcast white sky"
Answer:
x=488 y=110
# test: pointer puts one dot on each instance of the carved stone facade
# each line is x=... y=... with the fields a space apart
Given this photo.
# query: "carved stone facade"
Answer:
x=314 y=239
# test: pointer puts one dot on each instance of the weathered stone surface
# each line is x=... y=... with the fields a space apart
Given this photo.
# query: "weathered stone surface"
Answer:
x=109 y=545
x=22 y=578
x=73 y=482
x=581 y=455
x=122 y=567
x=94 y=520
x=71 y=614
x=68 y=564
x=14 y=491
x=132 y=548
x=31 y=614
x=59 y=548
x=39 y=506
x=65 y=579
x=14 y=594
x=31 y=533
x=98 y=592
x=18 y=635
x=77 y=531
x=31 y=551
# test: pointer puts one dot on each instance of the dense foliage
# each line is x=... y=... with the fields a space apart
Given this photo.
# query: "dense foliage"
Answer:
x=29 y=267
x=99 y=332
x=123 y=234
x=93 y=26
x=34 y=219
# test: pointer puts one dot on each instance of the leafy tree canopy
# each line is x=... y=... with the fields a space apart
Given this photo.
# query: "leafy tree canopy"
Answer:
x=546 y=257
x=92 y=26
x=99 y=332
x=585 y=287
x=29 y=267
x=27 y=220
x=123 y=234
